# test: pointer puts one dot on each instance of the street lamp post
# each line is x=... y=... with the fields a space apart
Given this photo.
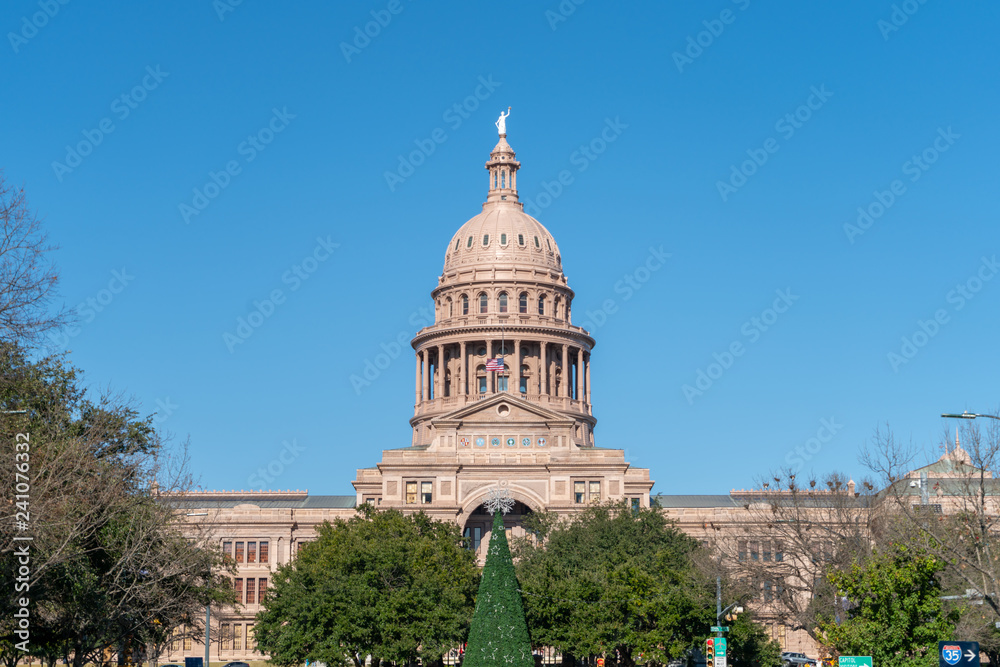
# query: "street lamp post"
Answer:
x=967 y=415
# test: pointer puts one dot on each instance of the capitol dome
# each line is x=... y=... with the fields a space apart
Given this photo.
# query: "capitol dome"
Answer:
x=502 y=234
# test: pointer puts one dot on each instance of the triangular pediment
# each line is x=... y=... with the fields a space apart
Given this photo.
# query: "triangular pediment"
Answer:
x=502 y=407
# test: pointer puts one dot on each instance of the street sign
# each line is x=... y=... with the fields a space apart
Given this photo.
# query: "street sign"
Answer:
x=720 y=628
x=958 y=654
x=720 y=661
x=720 y=651
x=855 y=661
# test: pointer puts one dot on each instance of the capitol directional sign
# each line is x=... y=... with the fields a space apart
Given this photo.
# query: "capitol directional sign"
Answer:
x=854 y=661
x=958 y=654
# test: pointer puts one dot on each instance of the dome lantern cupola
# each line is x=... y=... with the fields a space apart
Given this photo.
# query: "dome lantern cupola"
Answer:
x=503 y=172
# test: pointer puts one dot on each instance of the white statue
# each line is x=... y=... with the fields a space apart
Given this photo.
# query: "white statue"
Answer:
x=502 y=122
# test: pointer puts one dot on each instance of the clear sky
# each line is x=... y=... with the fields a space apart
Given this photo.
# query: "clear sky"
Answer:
x=192 y=158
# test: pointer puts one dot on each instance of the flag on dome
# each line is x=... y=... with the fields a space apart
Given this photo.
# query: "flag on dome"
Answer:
x=494 y=365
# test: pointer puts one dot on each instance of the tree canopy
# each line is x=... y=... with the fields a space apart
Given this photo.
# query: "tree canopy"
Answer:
x=393 y=586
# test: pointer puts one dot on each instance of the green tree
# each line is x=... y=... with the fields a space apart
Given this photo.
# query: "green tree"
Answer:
x=108 y=563
x=893 y=612
x=614 y=581
x=499 y=634
x=750 y=645
x=393 y=586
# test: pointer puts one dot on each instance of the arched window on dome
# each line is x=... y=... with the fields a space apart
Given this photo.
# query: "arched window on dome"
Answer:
x=503 y=178
x=502 y=302
x=503 y=240
x=556 y=304
x=465 y=304
x=541 y=305
x=486 y=240
x=537 y=244
x=568 y=302
x=451 y=308
x=457 y=241
x=548 y=245
x=484 y=303
x=469 y=244
x=520 y=240
x=522 y=303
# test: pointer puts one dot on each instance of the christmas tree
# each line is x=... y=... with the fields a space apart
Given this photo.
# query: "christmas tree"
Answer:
x=499 y=635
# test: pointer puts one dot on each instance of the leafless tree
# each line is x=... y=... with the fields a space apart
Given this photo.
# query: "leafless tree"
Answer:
x=28 y=277
x=786 y=537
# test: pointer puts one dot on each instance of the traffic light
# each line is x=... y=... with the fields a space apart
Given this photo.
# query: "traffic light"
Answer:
x=710 y=652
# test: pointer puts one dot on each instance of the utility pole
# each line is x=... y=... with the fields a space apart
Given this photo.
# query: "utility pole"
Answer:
x=718 y=604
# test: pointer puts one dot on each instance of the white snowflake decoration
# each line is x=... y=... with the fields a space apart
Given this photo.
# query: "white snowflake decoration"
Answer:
x=499 y=500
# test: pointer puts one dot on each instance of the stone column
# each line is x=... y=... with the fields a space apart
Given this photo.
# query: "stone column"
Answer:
x=543 y=371
x=579 y=373
x=565 y=371
x=588 y=378
x=439 y=373
x=516 y=375
x=463 y=379
x=417 y=374
x=424 y=377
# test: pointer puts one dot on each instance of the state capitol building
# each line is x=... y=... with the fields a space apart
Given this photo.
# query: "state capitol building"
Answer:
x=530 y=427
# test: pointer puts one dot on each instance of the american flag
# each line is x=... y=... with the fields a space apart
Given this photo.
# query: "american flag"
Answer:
x=494 y=365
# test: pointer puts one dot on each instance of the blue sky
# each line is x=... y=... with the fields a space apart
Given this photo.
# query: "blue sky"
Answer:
x=204 y=150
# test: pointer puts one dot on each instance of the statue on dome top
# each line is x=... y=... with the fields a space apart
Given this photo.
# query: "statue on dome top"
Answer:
x=502 y=122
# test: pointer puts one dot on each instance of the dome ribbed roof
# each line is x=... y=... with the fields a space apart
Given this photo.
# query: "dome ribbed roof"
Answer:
x=511 y=237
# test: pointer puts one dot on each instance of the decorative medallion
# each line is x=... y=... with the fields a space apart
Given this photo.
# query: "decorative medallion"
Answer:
x=526 y=442
x=541 y=442
x=480 y=442
x=464 y=442
x=511 y=442
x=495 y=442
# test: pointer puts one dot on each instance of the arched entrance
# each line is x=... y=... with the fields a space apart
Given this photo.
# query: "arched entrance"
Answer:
x=479 y=526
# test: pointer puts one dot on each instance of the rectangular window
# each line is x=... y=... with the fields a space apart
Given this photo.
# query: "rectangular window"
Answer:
x=595 y=492
x=238 y=587
x=251 y=552
x=227 y=636
x=227 y=549
x=426 y=495
x=741 y=550
x=251 y=640
x=766 y=555
x=779 y=555
x=579 y=492
x=261 y=588
x=636 y=505
x=524 y=385
x=473 y=537
x=502 y=383
x=768 y=595
x=482 y=385
x=263 y=551
x=411 y=493
x=238 y=637
x=251 y=591
x=239 y=552
x=754 y=551
x=187 y=643
x=175 y=642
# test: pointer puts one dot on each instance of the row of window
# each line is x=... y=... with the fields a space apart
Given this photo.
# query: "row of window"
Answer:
x=255 y=551
x=234 y=636
x=250 y=590
x=760 y=551
x=503 y=305
x=426 y=493
x=503 y=242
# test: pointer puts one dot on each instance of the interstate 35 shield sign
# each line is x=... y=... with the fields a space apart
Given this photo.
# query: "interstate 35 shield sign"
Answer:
x=958 y=654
